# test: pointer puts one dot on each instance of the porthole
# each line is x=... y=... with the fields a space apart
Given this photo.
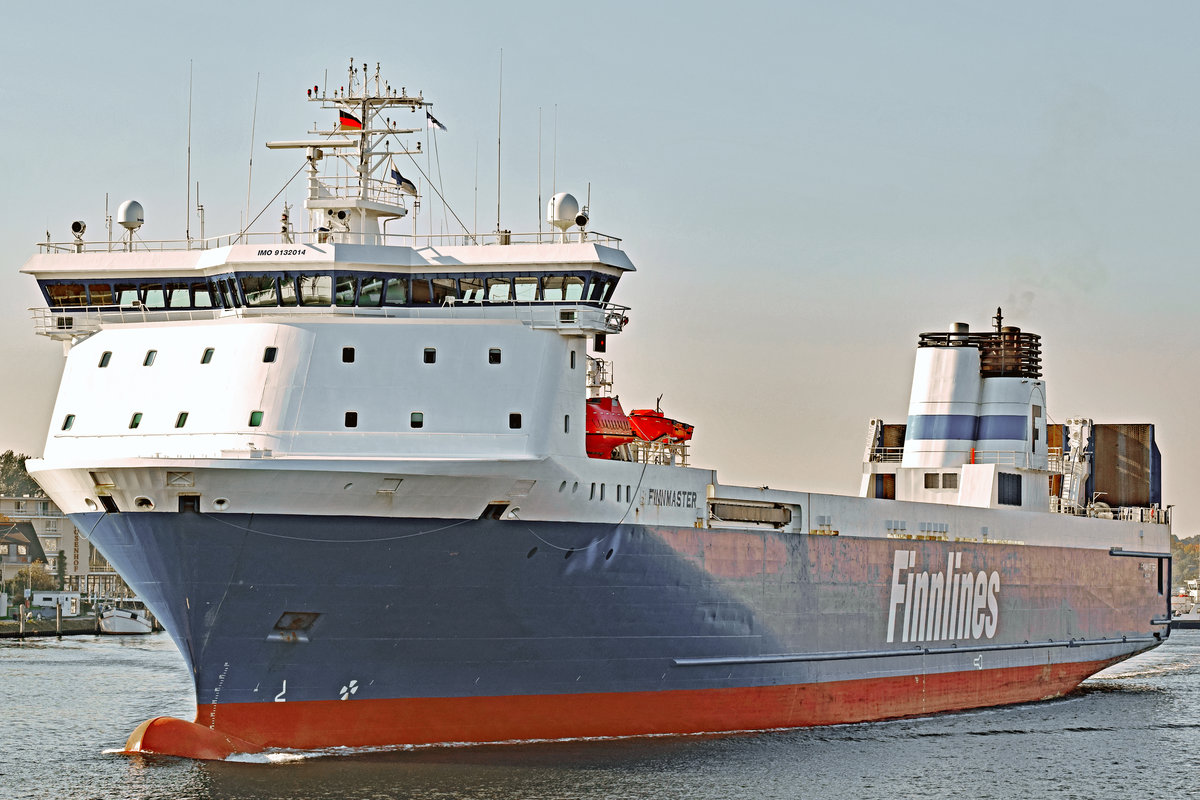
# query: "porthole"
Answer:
x=608 y=555
x=90 y=503
x=269 y=355
x=68 y=422
x=416 y=420
x=575 y=487
x=181 y=420
x=430 y=355
x=135 y=420
x=149 y=359
x=207 y=357
x=220 y=504
x=567 y=554
x=531 y=553
x=494 y=355
x=347 y=355
x=351 y=419
x=256 y=418
x=514 y=421
x=144 y=503
x=105 y=357
x=562 y=486
x=346 y=488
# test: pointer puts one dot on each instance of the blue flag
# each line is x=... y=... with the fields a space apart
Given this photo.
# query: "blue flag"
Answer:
x=433 y=123
x=404 y=183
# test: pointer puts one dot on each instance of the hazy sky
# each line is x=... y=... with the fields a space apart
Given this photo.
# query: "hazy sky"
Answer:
x=804 y=186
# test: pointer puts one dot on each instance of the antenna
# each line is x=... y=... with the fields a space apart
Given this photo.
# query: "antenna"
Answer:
x=200 y=211
x=108 y=221
x=539 y=205
x=187 y=208
x=250 y=171
x=499 y=111
x=476 y=222
x=554 y=161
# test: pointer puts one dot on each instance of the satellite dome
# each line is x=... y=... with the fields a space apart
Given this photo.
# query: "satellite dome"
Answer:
x=562 y=210
x=130 y=215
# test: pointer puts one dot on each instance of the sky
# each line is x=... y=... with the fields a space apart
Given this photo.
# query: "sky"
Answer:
x=804 y=187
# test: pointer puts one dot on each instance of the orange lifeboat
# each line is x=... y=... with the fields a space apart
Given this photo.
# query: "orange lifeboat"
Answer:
x=607 y=427
x=652 y=425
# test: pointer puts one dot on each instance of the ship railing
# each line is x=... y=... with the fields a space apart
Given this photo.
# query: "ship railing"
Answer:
x=1148 y=515
x=887 y=455
x=74 y=322
x=662 y=453
x=414 y=241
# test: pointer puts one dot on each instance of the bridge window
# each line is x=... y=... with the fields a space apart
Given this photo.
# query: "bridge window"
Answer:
x=67 y=294
x=100 y=294
x=126 y=294
x=397 y=292
x=420 y=292
x=499 y=290
x=526 y=289
x=259 y=290
x=370 y=293
x=177 y=295
x=346 y=285
x=201 y=296
x=287 y=290
x=153 y=296
x=470 y=289
x=316 y=290
x=443 y=289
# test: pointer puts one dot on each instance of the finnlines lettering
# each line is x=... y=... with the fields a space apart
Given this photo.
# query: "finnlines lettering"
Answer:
x=933 y=606
x=671 y=498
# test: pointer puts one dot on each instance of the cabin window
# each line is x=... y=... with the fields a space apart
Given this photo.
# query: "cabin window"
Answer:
x=567 y=423
x=135 y=420
x=351 y=419
x=618 y=492
x=572 y=359
x=100 y=294
x=207 y=357
x=269 y=355
x=181 y=420
x=514 y=421
x=347 y=355
x=256 y=418
x=949 y=480
x=67 y=294
x=430 y=355
x=931 y=480
x=316 y=290
x=470 y=289
x=494 y=355
x=592 y=496
x=259 y=290
x=287 y=290
x=443 y=289
x=201 y=296
x=105 y=357
x=149 y=359
x=1009 y=489
x=499 y=290
x=602 y=491
x=397 y=292
x=371 y=292
x=345 y=290
x=526 y=289
x=68 y=422
x=417 y=420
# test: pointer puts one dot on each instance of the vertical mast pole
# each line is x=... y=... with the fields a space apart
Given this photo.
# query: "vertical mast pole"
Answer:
x=499 y=112
x=187 y=208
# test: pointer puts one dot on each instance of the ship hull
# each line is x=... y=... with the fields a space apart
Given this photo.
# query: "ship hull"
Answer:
x=309 y=632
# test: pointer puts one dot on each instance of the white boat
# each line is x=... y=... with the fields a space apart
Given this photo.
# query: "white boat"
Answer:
x=125 y=621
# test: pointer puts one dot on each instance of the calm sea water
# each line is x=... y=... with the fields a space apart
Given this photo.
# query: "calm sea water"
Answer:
x=1130 y=732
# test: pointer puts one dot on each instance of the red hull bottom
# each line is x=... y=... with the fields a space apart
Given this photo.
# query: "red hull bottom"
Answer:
x=251 y=727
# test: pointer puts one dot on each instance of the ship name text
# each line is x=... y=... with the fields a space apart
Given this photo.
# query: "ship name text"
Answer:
x=671 y=498
x=931 y=606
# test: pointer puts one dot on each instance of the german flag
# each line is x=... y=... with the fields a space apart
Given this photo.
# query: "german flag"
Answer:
x=348 y=121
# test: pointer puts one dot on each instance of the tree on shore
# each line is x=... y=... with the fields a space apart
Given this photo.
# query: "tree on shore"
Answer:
x=35 y=577
x=14 y=480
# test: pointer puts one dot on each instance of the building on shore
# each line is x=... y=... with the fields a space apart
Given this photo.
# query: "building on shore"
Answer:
x=86 y=571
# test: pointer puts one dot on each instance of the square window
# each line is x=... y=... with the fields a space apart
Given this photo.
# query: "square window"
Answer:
x=430 y=355
x=207 y=357
x=105 y=357
x=135 y=420
x=351 y=419
x=181 y=420
x=949 y=480
x=931 y=480
x=149 y=360
x=417 y=420
x=347 y=355
x=494 y=355
x=1009 y=489
x=514 y=421
x=68 y=422
x=256 y=418
x=269 y=355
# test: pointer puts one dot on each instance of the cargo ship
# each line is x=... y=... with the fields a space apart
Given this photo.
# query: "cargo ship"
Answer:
x=378 y=489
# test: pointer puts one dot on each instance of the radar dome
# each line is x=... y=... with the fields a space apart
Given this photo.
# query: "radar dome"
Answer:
x=130 y=215
x=562 y=210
